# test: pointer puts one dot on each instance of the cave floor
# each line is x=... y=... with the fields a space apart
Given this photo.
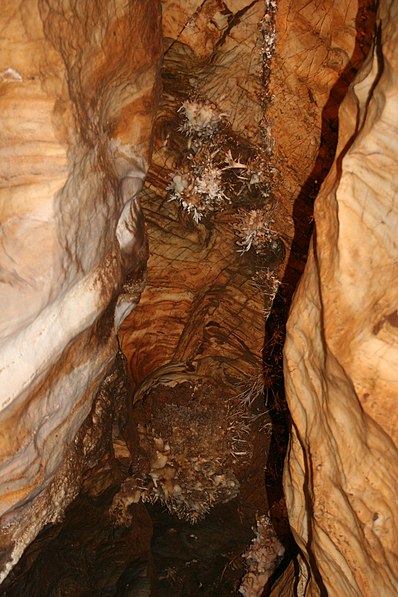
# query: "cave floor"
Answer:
x=86 y=555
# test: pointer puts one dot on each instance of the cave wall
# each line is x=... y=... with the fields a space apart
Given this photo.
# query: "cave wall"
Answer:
x=192 y=320
x=319 y=48
x=341 y=352
x=79 y=89
x=203 y=309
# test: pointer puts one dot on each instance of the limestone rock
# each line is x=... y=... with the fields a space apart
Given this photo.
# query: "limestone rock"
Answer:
x=201 y=313
x=208 y=318
x=78 y=94
x=341 y=355
x=319 y=47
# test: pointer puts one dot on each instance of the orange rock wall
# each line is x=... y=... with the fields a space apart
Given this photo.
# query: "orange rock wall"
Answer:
x=341 y=356
x=199 y=314
x=78 y=93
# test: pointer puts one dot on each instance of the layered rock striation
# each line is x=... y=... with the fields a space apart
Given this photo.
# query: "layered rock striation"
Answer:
x=79 y=89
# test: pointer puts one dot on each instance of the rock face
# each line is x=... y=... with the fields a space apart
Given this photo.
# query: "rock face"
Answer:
x=199 y=327
x=341 y=355
x=202 y=311
x=195 y=283
x=79 y=90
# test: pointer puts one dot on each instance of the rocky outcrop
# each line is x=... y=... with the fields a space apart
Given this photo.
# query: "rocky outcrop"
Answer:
x=79 y=90
x=196 y=281
x=194 y=342
x=341 y=352
x=208 y=315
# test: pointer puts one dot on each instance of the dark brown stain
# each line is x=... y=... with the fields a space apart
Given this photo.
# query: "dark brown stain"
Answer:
x=391 y=318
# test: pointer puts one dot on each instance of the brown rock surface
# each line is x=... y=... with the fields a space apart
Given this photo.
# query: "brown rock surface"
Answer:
x=201 y=290
x=320 y=46
x=341 y=356
x=204 y=324
x=78 y=93
x=201 y=313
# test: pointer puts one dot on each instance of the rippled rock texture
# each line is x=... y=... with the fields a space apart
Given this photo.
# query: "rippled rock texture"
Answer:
x=199 y=286
x=79 y=90
x=341 y=354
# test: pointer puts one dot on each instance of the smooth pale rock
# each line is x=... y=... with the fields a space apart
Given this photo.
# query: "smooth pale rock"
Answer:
x=79 y=90
x=341 y=352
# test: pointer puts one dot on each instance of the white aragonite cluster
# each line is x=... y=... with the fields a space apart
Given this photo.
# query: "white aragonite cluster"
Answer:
x=192 y=452
x=262 y=558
